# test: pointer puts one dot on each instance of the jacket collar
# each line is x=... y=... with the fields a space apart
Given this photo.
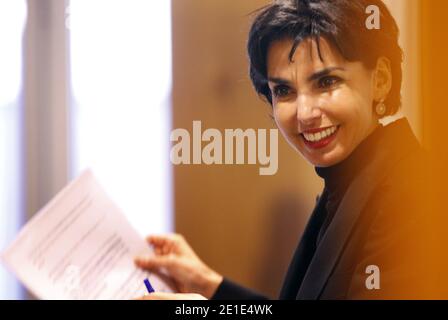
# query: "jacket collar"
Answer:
x=309 y=271
x=396 y=142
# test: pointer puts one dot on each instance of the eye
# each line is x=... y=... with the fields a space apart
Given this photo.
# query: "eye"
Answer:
x=281 y=91
x=328 y=82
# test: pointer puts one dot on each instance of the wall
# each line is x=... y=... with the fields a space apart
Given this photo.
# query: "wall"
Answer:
x=244 y=225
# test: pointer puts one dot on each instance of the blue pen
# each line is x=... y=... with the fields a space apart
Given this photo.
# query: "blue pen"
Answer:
x=148 y=285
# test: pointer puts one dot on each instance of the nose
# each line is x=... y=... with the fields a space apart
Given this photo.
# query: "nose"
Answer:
x=308 y=112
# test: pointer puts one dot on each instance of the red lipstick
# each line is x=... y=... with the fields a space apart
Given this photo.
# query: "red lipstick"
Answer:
x=321 y=143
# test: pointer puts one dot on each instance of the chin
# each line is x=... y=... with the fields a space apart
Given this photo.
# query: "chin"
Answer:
x=324 y=164
x=326 y=160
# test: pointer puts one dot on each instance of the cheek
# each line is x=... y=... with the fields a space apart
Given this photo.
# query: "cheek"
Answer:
x=285 y=117
x=355 y=115
x=348 y=107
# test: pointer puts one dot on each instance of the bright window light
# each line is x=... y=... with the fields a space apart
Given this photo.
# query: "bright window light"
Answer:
x=121 y=80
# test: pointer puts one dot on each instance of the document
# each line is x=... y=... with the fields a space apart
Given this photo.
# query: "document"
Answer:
x=81 y=246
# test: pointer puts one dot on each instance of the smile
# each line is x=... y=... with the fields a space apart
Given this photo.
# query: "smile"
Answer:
x=319 y=138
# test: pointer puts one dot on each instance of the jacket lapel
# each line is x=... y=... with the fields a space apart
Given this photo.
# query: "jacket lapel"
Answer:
x=303 y=254
x=338 y=232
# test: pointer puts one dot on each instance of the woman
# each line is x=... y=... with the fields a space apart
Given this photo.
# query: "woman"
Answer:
x=330 y=79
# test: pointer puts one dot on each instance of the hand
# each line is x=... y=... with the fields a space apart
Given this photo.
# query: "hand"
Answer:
x=172 y=296
x=174 y=256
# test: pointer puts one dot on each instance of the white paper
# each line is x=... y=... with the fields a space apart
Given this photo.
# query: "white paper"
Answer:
x=80 y=246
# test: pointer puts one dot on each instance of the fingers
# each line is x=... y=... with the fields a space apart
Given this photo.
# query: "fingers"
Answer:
x=171 y=296
x=159 y=239
x=160 y=244
x=167 y=243
x=155 y=262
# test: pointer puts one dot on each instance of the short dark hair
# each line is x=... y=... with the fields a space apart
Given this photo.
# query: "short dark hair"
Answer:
x=342 y=22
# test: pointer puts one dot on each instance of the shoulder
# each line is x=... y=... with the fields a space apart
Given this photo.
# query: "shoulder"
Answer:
x=405 y=185
x=395 y=228
x=399 y=200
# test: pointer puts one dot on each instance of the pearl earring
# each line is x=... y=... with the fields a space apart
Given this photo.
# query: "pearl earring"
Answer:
x=380 y=108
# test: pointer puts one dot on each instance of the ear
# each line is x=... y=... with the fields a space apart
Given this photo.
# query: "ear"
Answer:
x=382 y=79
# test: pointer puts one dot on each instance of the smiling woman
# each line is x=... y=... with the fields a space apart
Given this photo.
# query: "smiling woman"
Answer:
x=318 y=90
x=330 y=80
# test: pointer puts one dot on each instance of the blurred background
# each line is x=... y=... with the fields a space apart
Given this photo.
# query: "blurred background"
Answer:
x=100 y=84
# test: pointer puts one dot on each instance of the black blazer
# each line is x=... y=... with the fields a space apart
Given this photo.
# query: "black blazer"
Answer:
x=380 y=221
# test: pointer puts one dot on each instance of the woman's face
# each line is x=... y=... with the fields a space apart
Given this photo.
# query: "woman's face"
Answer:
x=322 y=107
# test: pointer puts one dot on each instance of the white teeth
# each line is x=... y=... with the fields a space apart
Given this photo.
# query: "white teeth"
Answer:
x=314 y=137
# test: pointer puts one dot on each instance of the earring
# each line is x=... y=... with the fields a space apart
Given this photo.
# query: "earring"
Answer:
x=380 y=108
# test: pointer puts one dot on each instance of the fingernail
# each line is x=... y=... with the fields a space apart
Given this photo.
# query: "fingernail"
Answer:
x=142 y=259
x=139 y=260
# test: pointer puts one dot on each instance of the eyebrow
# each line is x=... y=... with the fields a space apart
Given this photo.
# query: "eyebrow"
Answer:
x=312 y=77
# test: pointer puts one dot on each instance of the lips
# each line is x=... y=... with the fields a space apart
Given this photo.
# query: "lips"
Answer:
x=319 y=137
